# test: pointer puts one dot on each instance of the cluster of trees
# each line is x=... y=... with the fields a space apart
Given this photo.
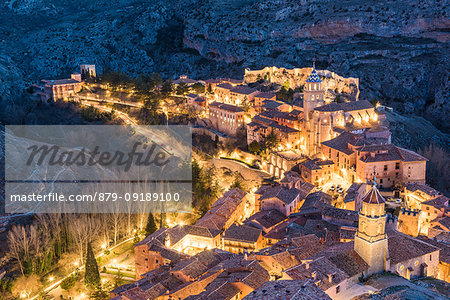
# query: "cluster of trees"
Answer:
x=91 y=114
x=286 y=93
x=271 y=142
x=183 y=88
x=205 y=188
x=438 y=167
x=52 y=238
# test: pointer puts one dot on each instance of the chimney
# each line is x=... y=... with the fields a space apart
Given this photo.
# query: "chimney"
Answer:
x=330 y=278
x=313 y=274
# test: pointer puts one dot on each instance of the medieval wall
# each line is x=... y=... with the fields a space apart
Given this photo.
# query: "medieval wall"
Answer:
x=332 y=83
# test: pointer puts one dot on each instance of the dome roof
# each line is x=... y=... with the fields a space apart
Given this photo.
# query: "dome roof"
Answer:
x=373 y=196
x=313 y=77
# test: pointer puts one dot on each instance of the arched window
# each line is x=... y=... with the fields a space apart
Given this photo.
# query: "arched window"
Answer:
x=363 y=227
x=380 y=228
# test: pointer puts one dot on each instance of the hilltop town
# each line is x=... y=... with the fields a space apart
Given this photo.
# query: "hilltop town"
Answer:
x=343 y=204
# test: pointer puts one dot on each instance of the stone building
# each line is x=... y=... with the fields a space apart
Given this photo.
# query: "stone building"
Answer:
x=431 y=211
x=228 y=209
x=354 y=195
x=317 y=171
x=151 y=253
x=61 y=88
x=358 y=158
x=242 y=239
x=409 y=222
x=226 y=118
x=398 y=253
x=371 y=241
x=241 y=95
x=416 y=193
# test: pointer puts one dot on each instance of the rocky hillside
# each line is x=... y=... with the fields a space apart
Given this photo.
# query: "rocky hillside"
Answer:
x=399 y=49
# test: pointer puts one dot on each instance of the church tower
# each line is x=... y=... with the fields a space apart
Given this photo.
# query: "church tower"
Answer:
x=371 y=241
x=312 y=93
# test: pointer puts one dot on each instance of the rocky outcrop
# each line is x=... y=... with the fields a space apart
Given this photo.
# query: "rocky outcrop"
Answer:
x=398 y=49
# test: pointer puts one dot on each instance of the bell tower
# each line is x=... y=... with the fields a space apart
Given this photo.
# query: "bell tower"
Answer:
x=371 y=241
x=312 y=93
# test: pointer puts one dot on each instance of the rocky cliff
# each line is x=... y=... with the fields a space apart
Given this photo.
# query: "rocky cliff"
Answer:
x=398 y=49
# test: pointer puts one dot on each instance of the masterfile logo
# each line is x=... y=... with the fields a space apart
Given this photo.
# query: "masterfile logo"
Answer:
x=93 y=168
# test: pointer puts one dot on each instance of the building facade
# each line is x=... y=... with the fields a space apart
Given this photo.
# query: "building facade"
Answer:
x=226 y=118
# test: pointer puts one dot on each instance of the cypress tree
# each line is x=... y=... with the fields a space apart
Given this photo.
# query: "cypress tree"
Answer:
x=151 y=225
x=162 y=220
x=91 y=275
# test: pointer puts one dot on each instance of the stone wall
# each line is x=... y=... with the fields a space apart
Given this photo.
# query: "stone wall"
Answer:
x=332 y=83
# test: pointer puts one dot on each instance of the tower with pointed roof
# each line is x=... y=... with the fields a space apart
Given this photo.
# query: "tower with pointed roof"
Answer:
x=371 y=242
x=313 y=96
x=313 y=93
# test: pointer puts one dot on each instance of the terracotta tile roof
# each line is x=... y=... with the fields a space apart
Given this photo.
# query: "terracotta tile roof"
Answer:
x=286 y=195
x=272 y=104
x=443 y=237
x=178 y=232
x=266 y=218
x=412 y=187
x=373 y=196
x=347 y=233
x=243 y=90
x=316 y=164
x=340 y=143
x=226 y=291
x=444 y=253
x=211 y=258
x=444 y=221
x=227 y=107
x=439 y=202
x=341 y=214
x=344 y=257
x=345 y=106
x=242 y=233
x=285 y=259
x=248 y=272
x=262 y=189
x=225 y=86
x=317 y=200
x=288 y=290
x=60 y=81
x=279 y=231
x=356 y=105
x=262 y=120
x=352 y=192
x=403 y=247
x=222 y=209
x=388 y=152
x=283 y=128
x=190 y=267
x=333 y=106
x=156 y=291
x=266 y=95
x=135 y=294
x=159 y=234
x=320 y=270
